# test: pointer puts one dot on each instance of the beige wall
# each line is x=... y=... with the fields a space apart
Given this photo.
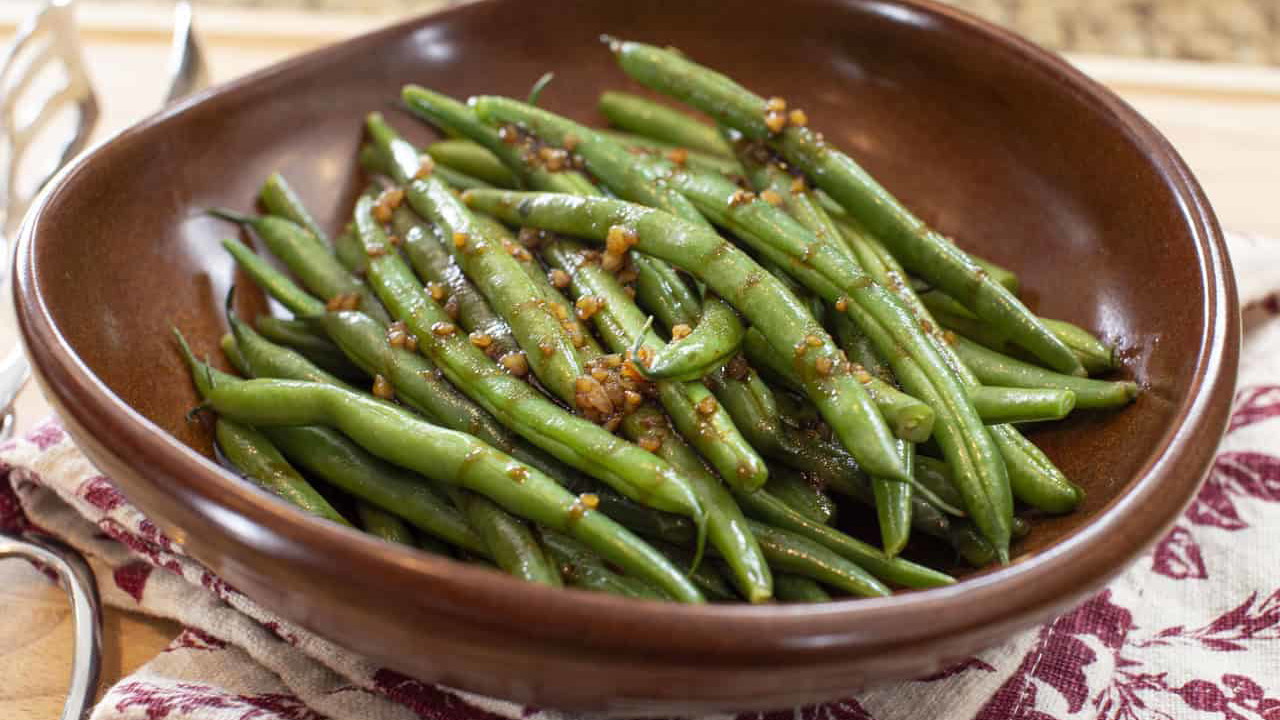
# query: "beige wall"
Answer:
x=1245 y=31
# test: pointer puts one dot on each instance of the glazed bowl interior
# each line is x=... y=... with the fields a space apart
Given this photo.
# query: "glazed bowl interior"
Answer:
x=995 y=143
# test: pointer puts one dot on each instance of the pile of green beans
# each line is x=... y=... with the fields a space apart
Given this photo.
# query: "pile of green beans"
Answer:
x=650 y=360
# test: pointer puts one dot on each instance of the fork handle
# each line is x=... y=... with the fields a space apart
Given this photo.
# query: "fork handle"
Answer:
x=77 y=579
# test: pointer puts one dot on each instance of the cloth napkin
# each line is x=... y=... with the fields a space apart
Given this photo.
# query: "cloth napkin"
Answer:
x=1190 y=631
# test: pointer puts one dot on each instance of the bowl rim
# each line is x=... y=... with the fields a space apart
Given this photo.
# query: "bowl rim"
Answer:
x=1029 y=586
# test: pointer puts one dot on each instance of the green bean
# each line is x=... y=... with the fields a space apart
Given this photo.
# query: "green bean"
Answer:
x=584 y=569
x=486 y=259
x=1002 y=275
x=268 y=359
x=993 y=368
x=797 y=554
x=925 y=517
x=801 y=494
x=232 y=353
x=256 y=356
x=690 y=405
x=664 y=293
x=1033 y=478
x=857 y=345
x=763 y=505
x=279 y=199
x=303 y=337
x=346 y=247
x=330 y=456
x=418 y=384
x=481 y=254
x=772 y=365
x=573 y=440
x=748 y=577
x=644 y=521
x=706 y=575
x=697 y=353
x=983 y=476
x=765 y=302
x=822 y=262
x=306 y=256
x=574 y=328
x=767 y=509
x=472 y=159
x=297 y=300
x=695 y=160
x=512 y=543
x=726 y=526
x=363 y=340
x=511 y=546
x=453 y=116
x=753 y=406
x=796 y=411
x=747 y=401
x=333 y=459
x=936 y=475
x=448 y=456
x=893 y=506
x=827 y=266
x=433 y=263
x=969 y=544
x=254 y=455
x=998 y=405
x=718 y=330
x=793 y=193
x=920 y=248
x=373 y=161
x=456 y=179
x=793 y=588
x=384 y=525
x=661 y=291
x=1096 y=356
x=909 y=418
x=965 y=439
x=608 y=160
x=650 y=119
x=414 y=379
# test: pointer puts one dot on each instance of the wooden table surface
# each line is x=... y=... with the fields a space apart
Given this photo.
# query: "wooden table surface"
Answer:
x=1225 y=121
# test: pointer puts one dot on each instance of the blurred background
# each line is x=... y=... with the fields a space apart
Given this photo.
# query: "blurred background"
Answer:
x=1241 y=31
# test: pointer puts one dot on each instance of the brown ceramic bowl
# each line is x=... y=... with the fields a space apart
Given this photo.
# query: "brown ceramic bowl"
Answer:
x=996 y=142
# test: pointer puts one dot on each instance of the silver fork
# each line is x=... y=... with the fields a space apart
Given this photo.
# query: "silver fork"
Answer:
x=49 y=40
x=54 y=27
